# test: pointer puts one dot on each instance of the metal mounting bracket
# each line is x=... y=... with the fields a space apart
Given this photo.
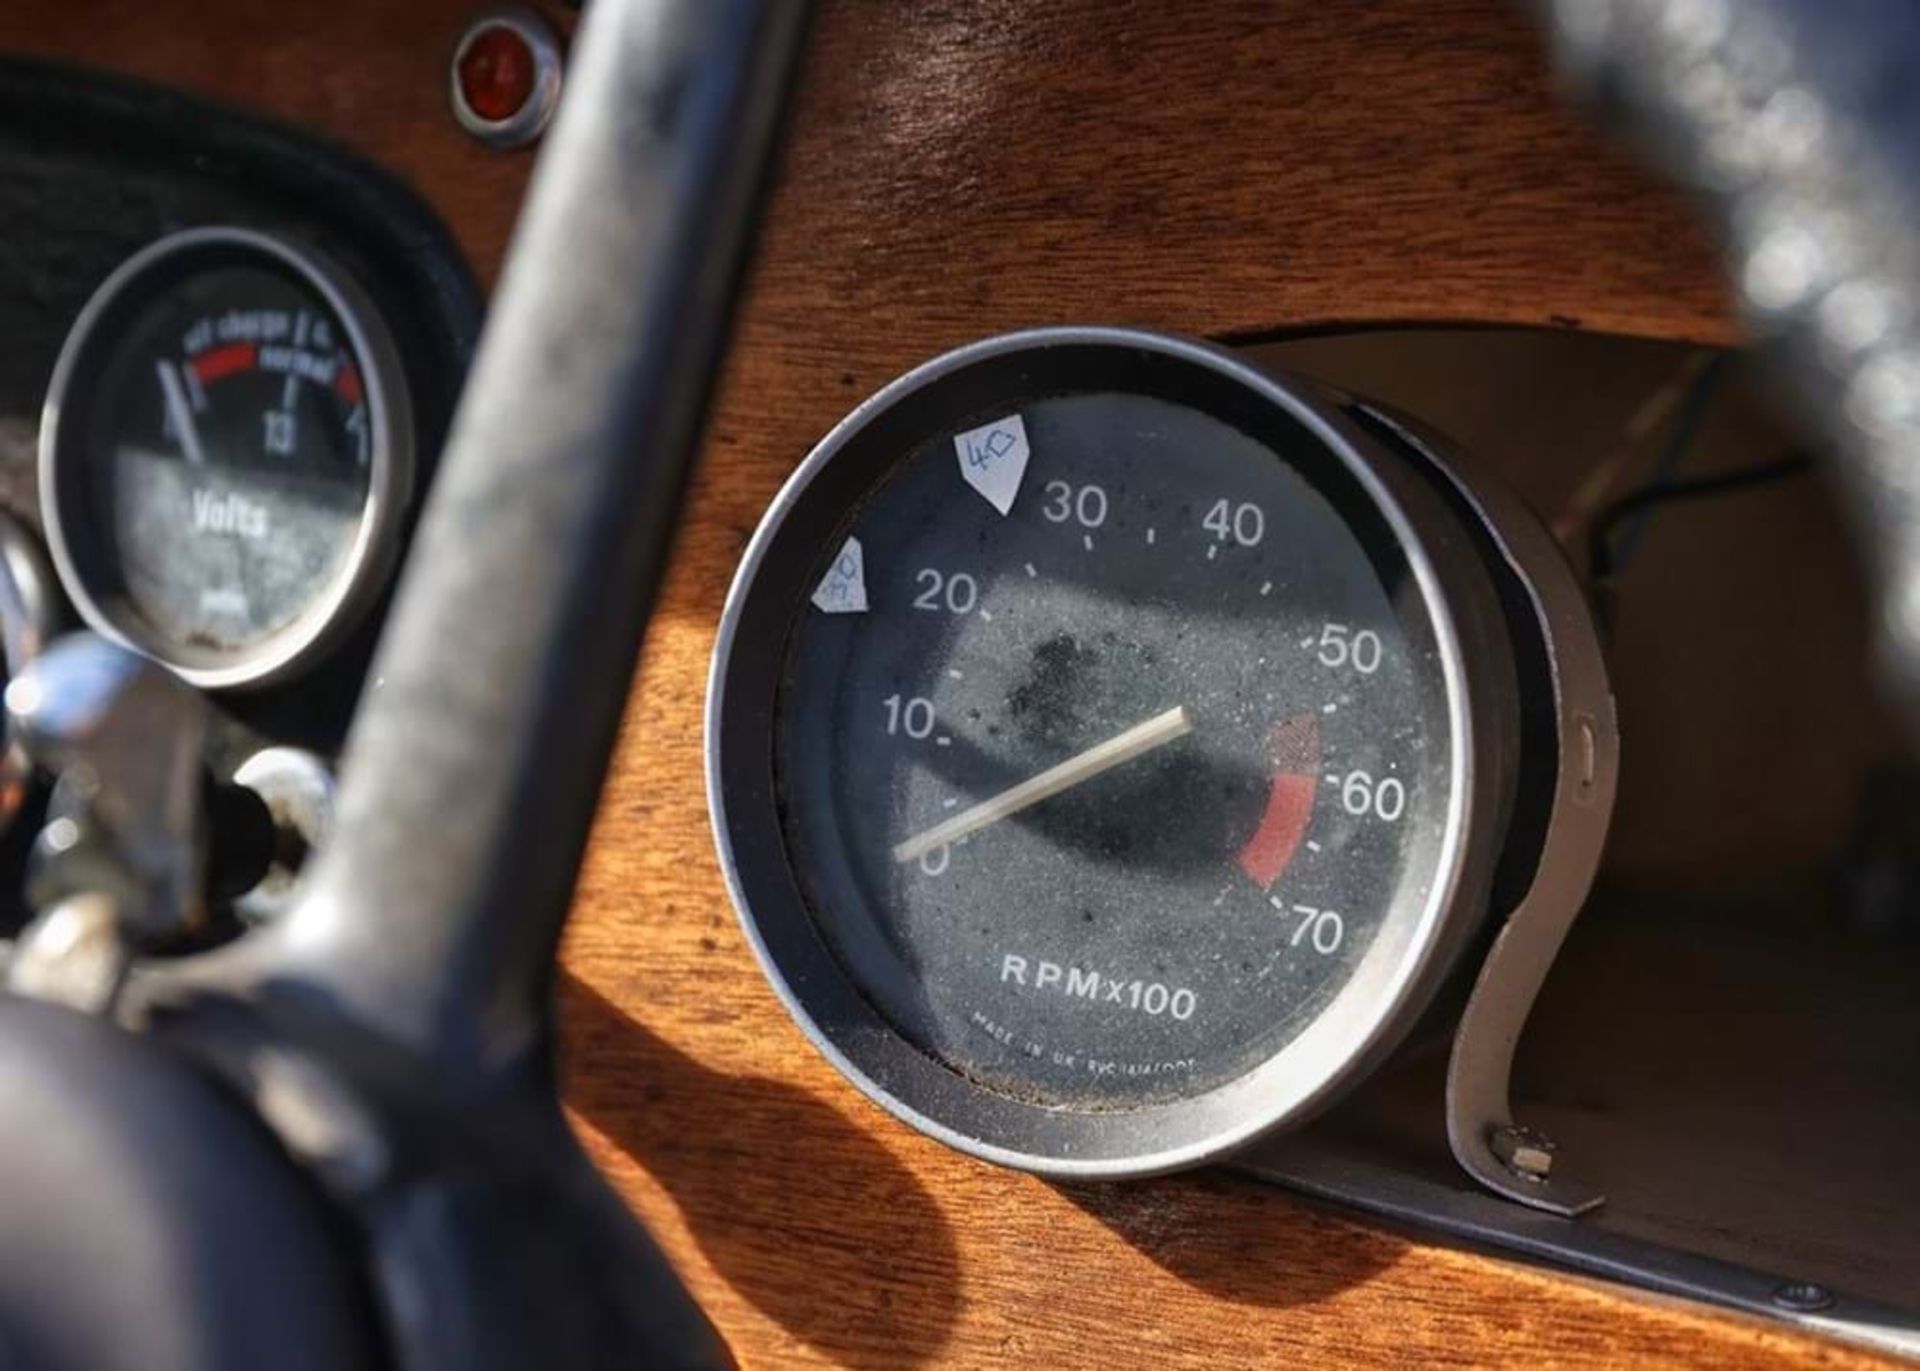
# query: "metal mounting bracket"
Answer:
x=1489 y=1144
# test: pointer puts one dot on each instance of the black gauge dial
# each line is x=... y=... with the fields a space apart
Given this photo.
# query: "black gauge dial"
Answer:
x=225 y=450
x=1092 y=748
x=1103 y=796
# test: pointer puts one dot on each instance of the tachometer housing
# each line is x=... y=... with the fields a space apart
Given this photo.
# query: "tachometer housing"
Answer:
x=1441 y=587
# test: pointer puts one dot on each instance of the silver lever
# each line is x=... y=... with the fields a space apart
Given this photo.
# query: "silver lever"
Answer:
x=120 y=862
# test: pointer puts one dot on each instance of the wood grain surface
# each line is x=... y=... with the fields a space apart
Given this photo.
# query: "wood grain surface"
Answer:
x=956 y=169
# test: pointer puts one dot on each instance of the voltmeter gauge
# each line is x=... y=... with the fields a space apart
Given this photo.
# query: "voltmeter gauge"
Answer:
x=225 y=455
x=1112 y=747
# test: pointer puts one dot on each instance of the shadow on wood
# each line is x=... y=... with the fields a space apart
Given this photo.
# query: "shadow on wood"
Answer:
x=1175 y=1223
x=805 y=1215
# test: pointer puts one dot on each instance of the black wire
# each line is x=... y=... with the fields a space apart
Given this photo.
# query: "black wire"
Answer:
x=1688 y=420
x=1602 y=561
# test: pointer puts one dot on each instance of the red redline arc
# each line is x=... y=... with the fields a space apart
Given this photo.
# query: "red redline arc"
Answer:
x=1294 y=751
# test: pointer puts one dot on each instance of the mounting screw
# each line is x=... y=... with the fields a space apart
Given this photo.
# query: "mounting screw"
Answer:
x=1802 y=1297
x=1529 y=1155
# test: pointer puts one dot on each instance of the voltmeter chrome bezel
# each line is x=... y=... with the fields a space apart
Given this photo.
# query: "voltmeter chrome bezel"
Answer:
x=363 y=572
x=1395 y=981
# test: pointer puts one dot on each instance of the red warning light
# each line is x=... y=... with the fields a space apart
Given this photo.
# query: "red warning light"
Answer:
x=497 y=73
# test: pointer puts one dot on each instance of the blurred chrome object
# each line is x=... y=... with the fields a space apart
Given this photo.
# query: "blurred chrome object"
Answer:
x=27 y=619
x=73 y=954
x=124 y=737
x=1798 y=121
x=298 y=790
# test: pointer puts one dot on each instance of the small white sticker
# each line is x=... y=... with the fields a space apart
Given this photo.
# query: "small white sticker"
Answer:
x=843 y=590
x=993 y=458
x=224 y=600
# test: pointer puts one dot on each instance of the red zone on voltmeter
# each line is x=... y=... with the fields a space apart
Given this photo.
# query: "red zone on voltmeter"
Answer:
x=1293 y=753
x=216 y=363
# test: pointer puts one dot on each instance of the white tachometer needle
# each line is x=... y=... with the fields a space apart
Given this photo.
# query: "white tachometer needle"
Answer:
x=180 y=412
x=1122 y=747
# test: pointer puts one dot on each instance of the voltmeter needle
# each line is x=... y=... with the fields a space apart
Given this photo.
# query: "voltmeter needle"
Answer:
x=180 y=412
x=1122 y=747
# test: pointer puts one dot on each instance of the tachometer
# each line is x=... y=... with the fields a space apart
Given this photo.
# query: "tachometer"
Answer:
x=225 y=454
x=1110 y=746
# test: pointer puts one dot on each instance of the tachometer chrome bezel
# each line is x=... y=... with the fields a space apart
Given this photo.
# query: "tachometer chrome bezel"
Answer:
x=1369 y=1016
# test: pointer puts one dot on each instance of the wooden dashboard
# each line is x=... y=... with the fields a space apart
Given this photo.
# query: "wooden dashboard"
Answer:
x=1237 y=170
